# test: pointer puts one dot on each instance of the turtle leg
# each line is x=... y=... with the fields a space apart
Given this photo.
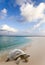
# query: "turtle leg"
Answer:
x=18 y=60
x=25 y=59
x=7 y=60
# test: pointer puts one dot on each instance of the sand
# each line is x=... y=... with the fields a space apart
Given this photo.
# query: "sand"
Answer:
x=36 y=51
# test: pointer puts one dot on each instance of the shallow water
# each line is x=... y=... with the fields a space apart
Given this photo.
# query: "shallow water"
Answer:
x=12 y=42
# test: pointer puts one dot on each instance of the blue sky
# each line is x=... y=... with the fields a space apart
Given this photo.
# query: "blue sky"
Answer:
x=22 y=17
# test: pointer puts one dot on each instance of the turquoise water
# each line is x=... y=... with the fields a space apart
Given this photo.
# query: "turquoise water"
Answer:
x=12 y=42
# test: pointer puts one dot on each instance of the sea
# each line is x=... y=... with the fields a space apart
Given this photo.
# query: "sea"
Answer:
x=12 y=42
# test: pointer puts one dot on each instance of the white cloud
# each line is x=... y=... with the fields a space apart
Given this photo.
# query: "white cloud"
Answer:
x=3 y=13
x=39 y=24
x=21 y=2
x=31 y=12
x=36 y=26
x=8 y=28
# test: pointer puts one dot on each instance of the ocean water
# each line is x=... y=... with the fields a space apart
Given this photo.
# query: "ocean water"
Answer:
x=12 y=42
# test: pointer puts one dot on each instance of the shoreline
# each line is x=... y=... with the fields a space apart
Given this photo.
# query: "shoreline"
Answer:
x=15 y=46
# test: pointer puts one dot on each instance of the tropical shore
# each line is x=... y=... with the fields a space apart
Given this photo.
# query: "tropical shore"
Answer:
x=36 y=51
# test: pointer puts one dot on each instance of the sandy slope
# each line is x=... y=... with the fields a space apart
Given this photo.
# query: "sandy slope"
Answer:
x=36 y=52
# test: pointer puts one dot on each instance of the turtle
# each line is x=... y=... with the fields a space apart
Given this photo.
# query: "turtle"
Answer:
x=17 y=54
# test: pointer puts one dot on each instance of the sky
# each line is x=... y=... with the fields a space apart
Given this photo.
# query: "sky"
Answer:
x=22 y=17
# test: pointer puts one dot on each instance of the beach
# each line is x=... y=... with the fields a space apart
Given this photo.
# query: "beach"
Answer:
x=36 y=51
